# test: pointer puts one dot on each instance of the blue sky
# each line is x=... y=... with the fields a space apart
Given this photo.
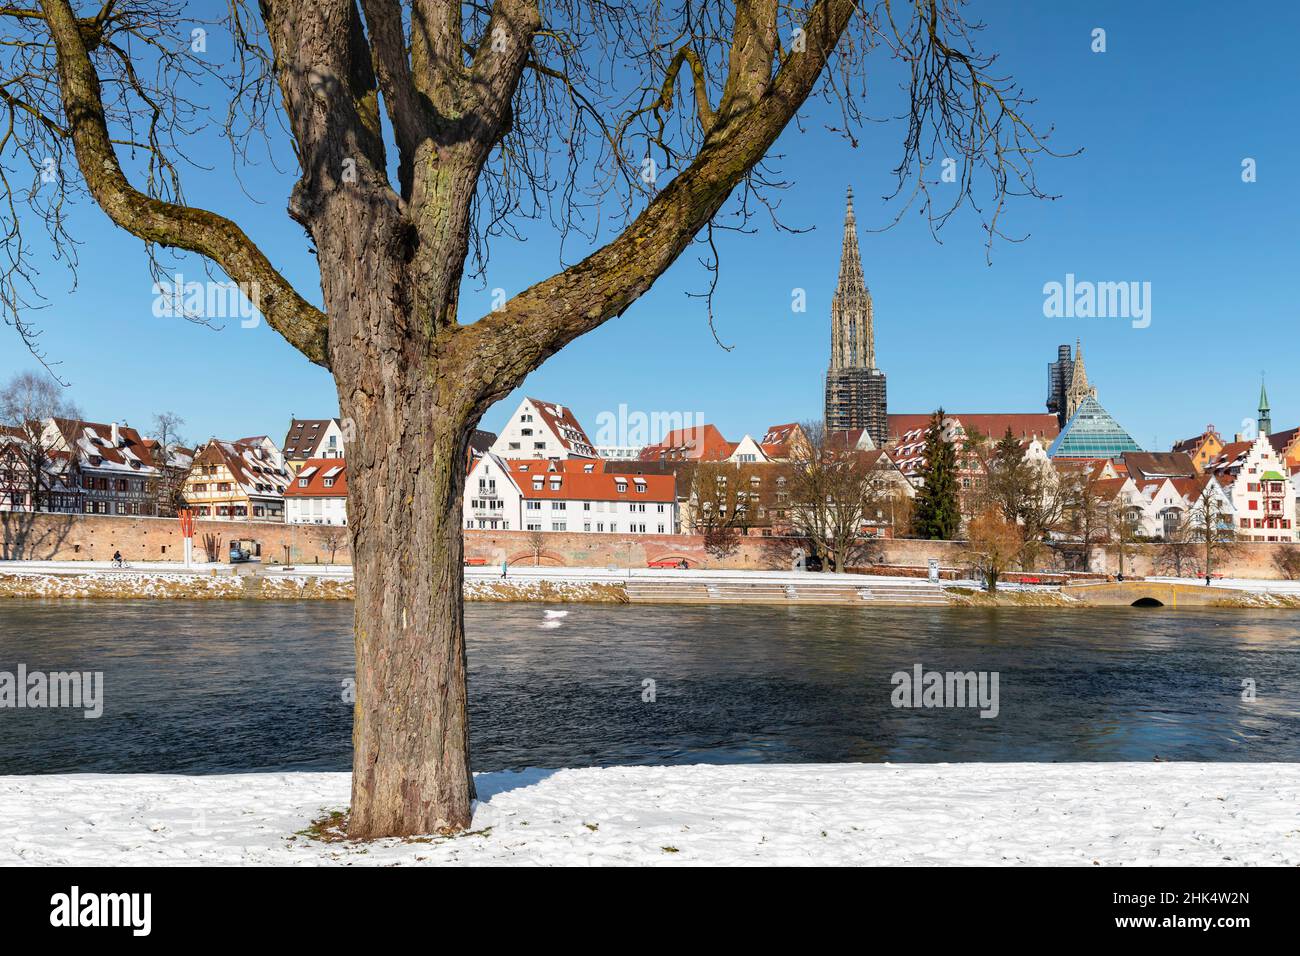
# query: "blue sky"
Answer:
x=1165 y=116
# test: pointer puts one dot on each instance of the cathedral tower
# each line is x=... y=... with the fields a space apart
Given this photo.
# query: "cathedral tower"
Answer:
x=855 y=388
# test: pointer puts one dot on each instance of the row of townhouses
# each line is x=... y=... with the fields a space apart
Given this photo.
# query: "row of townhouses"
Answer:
x=543 y=473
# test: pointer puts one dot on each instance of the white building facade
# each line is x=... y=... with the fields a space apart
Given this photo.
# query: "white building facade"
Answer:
x=318 y=494
x=543 y=430
x=1263 y=499
x=568 y=495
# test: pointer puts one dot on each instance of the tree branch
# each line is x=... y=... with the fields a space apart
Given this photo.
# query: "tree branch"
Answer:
x=165 y=223
x=503 y=347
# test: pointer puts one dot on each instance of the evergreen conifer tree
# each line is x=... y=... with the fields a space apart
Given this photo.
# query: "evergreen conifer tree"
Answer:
x=938 y=509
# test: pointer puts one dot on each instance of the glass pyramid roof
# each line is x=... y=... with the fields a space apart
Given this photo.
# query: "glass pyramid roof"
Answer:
x=1092 y=433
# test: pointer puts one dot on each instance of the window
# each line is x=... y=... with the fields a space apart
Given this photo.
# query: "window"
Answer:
x=302 y=482
x=558 y=526
x=534 y=526
x=329 y=482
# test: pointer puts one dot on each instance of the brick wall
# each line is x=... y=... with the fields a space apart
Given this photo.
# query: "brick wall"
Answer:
x=96 y=537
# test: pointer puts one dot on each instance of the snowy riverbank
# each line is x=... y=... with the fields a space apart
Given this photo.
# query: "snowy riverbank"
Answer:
x=999 y=814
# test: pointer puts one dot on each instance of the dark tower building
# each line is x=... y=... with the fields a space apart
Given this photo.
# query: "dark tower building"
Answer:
x=855 y=388
x=1059 y=375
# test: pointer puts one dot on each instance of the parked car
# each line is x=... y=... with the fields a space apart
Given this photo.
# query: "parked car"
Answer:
x=239 y=555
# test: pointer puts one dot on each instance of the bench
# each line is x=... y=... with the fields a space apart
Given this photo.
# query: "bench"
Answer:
x=665 y=564
x=475 y=562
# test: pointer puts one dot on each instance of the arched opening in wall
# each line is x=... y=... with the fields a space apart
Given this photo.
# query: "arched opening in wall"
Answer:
x=541 y=559
x=679 y=561
x=1147 y=602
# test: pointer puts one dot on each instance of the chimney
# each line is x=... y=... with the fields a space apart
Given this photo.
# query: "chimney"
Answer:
x=117 y=436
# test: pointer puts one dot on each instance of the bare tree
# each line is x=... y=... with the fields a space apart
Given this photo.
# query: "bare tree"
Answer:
x=1177 y=551
x=1085 y=495
x=331 y=537
x=722 y=509
x=1211 y=519
x=995 y=544
x=172 y=459
x=1286 y=558
x=1122 y=524
x=487 y=112
x=26 y=403
x=537 y=545
x=836 y=490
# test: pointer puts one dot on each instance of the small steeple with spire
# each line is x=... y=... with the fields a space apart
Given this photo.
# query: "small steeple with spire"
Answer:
x=1265 y=413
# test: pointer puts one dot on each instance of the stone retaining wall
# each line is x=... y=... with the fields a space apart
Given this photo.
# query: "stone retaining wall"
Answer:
x=96 y=537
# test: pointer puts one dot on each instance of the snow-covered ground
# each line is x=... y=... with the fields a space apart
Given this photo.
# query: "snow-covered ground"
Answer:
x=1072 y=814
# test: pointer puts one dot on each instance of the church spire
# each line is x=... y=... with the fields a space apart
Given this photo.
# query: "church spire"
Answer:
x=1079 y=389
x=852 y=315
x=1265 y=416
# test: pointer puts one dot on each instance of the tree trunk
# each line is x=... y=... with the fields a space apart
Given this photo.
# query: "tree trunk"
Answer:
x=411 y=769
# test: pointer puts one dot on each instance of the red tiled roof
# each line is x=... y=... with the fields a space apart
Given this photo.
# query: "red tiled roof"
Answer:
x=597 y=486
x=561 y=421
x=1023 y=425
x=246 y=466
x=697 y=443
x=94 y=439
x=316 y=471
x=567 y=466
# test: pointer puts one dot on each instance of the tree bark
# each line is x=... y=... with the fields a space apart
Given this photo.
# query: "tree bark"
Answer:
x=411 y=771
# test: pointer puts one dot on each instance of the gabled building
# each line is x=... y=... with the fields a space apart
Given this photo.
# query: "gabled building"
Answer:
x=1202 y=449
x=242 y=480
x=58 y=489
x=1147 y=466
x=309 y=438
x=110 y=464
x=318 y=493
x=696 y=443
x=1263 y=500
x=747 y=451
x=540 y=429
x=567 y=495
x=1287 y=446
x=1024 y=426
x=784 y=442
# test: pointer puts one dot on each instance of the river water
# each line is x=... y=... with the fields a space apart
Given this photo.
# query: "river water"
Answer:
x=222 y=686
